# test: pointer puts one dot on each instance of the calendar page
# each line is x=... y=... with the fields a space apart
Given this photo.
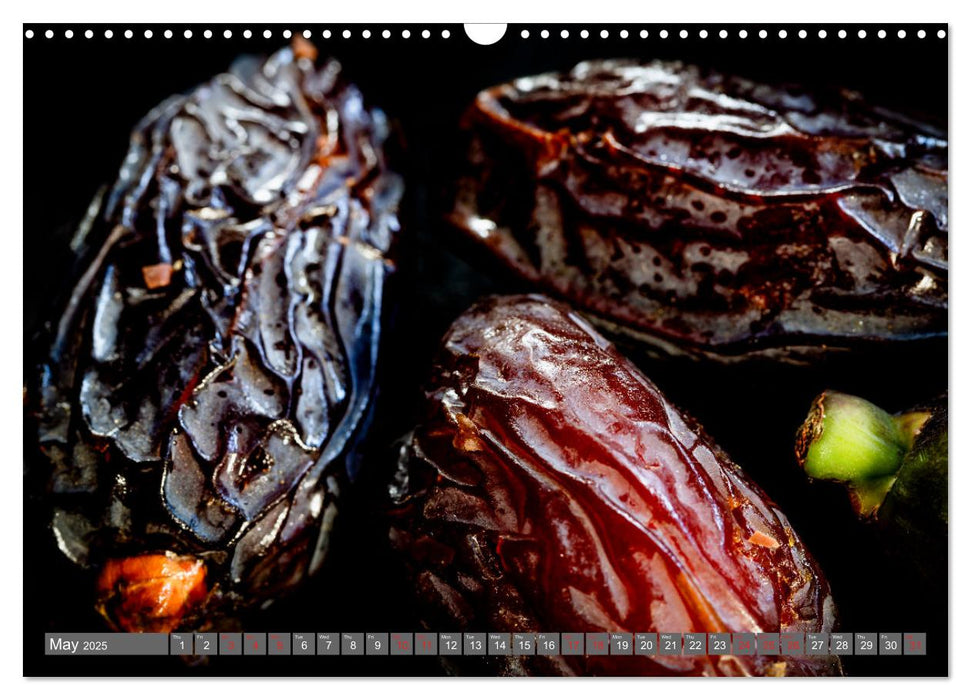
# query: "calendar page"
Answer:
x=515 y=350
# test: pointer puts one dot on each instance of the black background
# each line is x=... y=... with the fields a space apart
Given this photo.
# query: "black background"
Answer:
x=83 y=96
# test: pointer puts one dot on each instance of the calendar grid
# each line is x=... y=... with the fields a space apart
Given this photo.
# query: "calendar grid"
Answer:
x=487 y=644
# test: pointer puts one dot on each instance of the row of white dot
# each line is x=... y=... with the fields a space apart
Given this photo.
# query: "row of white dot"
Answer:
x=228 y=34
x=723 y=34
x=544 y=34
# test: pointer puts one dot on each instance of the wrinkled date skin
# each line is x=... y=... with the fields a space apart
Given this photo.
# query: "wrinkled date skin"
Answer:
x=553 y=488
x=215 y=365
x=710 y=216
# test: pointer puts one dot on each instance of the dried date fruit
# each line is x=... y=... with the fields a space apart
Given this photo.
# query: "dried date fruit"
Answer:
x=711 y=216
x=551 y=487
x=214 y=367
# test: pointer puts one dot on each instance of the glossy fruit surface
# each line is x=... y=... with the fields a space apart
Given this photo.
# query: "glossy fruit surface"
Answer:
x=709 y=215
x=215 y=364
x=553 y=487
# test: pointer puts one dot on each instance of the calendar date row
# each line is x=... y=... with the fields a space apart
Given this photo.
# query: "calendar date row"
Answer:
x=488 y=644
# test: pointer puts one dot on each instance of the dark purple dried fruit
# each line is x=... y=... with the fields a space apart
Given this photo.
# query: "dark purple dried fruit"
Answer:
x=552 y=488
x=215 y=365
x=712 y=216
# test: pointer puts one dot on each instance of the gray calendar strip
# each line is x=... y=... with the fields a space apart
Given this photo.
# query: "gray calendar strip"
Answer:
x=488 y=644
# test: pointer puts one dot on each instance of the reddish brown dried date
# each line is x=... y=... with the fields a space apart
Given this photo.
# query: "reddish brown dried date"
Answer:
x=213 y=371
x=553 y=488
x=712 y=216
